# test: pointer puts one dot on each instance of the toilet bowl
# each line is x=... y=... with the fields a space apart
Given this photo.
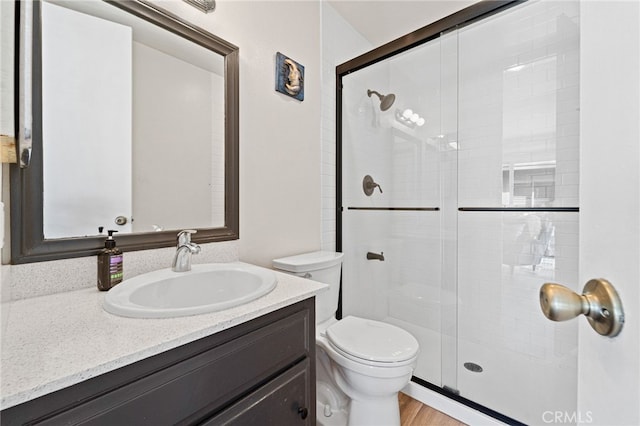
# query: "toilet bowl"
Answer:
x=362 y=364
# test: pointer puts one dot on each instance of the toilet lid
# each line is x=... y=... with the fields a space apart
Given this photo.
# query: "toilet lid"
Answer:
x=372 y=340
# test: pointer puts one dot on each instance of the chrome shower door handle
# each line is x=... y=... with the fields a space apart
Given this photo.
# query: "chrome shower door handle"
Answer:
x=599 y=302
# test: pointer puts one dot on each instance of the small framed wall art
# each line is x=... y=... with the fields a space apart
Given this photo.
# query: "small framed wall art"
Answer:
x=289 y=77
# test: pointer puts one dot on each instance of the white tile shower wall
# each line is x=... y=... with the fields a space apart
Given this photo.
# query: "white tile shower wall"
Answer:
x=415 y=157
x=340 y=42
x=519 y=108
x=403 y=160
x=506 y=259
x=366 y=136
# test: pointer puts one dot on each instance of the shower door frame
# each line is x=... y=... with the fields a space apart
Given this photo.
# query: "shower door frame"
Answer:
x=460 y=19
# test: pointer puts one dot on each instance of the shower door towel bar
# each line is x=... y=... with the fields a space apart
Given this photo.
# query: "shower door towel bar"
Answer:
x=412 y=209
x=518 y=209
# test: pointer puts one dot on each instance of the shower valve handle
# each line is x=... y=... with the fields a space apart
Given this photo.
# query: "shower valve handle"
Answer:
x=368 y=185
x=374 y=186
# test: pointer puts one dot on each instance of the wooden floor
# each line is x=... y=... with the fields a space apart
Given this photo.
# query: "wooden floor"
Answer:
x=414 y=413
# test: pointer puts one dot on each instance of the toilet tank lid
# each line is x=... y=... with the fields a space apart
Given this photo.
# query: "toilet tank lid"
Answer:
x=308 y=261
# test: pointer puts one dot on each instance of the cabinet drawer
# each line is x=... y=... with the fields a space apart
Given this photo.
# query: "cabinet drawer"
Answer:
x=283 y=401
x=194 y=388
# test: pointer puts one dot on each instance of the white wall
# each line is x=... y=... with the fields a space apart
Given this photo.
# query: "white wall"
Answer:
x=609 y=372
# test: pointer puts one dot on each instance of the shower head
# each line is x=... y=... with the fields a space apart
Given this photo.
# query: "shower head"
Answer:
x=385 y=100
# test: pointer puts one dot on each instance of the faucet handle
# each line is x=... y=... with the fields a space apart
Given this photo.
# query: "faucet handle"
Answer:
x=184 y=237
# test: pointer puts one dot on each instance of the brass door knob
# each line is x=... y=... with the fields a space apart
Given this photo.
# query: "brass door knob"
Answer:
x=599 y=302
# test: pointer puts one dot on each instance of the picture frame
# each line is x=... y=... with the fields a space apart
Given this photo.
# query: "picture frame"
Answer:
x=289 y=77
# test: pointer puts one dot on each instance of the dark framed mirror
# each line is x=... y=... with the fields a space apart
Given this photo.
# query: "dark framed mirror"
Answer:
x=34 y=239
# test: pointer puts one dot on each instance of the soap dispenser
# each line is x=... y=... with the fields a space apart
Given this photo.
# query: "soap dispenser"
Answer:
x=109 y=264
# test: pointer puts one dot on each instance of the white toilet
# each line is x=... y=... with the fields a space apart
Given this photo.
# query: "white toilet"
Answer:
x=361 y=364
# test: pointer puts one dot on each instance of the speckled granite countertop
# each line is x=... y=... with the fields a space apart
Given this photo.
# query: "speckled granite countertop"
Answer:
x=55 y=341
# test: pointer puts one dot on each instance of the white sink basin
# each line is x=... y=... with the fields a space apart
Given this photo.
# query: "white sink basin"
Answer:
x=206 y=288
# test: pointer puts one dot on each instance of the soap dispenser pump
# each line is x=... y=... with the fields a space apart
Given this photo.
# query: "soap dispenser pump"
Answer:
x=109 y=264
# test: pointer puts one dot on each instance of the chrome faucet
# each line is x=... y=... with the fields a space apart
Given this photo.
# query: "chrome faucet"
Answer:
x=182 y=259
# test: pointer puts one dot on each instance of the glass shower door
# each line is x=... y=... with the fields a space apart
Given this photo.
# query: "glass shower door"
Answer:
x=518 y=124
x=476 y=163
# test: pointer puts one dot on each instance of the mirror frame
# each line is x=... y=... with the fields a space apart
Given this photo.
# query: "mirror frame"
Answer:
x=27 y=235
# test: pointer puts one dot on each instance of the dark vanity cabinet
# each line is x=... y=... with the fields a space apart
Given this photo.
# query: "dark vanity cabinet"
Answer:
x=261 y=372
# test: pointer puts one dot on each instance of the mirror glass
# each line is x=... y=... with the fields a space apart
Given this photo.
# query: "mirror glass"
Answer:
x=132 y=124
x=135 y=128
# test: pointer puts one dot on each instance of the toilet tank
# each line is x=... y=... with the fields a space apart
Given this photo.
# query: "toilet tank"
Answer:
x=322 y=266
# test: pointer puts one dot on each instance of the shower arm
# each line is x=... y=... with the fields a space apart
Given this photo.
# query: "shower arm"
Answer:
x=373 y=92
x=385 y=100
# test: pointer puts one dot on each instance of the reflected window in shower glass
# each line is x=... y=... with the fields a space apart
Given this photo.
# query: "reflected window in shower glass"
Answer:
x=529 y=132
x=519 y=110
x=529 y=184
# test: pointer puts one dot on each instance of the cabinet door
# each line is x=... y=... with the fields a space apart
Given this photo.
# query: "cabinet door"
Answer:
x=283 y=401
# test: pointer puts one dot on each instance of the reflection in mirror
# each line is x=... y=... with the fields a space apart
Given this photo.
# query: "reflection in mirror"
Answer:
x=135 y=128
x=138 y=113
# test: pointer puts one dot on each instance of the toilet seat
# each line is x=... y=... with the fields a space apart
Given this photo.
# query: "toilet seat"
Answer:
x=372 y=343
